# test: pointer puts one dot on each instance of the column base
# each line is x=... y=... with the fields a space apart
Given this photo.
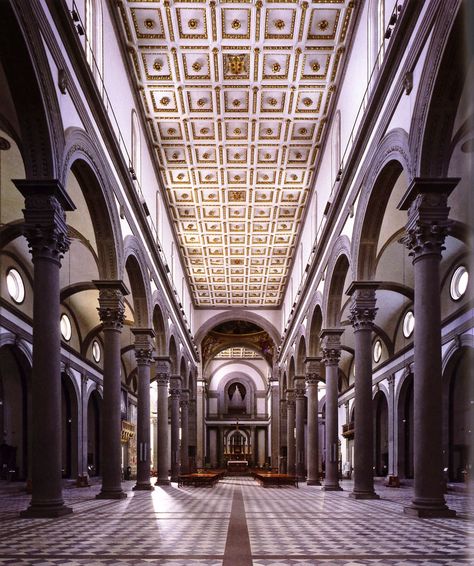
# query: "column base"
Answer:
x=83 y=481
x=301 y=478
x=415 y=510
x=332 y=488
x=313 y=482
x=143 y=487
x=111 y=495
x=364 y=495
x=162 y=482
x=174 y=479
x=45 y=512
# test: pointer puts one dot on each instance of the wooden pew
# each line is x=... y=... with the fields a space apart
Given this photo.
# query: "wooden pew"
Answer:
x=267 y=479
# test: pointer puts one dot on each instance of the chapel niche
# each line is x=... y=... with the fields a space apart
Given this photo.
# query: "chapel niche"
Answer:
x=237 y=402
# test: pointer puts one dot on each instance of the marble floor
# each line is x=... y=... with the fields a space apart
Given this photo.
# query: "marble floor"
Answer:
x=235 y=523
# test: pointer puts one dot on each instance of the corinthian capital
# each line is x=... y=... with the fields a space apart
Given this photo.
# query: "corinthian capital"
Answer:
x=362 y=310
x=331 y=345
x=143 y=345
x=111 y=303
x=45 y=225
x=427 y=227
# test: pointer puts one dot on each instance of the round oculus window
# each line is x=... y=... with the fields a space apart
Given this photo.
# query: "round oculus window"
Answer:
x=15 y=285
x=459 y=282
x=65 y=325
x=408 y=324
x=377 y=351
x=96 y=352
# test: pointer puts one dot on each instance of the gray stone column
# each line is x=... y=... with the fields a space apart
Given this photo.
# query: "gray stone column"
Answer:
x=331 y=348
x=362 y=314
x=392 y=428
x=162 y=380
x=111 y=312
x=143 y=355
x=184 y=403
x=290 y=432
x=46 y=231
x=313 y=377
x=275 y=421
x=253 y=446
x=200 y=429
x=283 y=461
x=300 y=415
x=427 y=226
x=175 y=394
x=82 y=471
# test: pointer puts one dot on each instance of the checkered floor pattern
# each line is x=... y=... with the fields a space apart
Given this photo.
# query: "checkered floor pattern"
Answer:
x=188 y=526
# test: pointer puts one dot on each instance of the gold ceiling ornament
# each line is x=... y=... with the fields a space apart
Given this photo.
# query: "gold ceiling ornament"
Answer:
x=185 y=196
x=165 y=101
x=279 y=24
x=197 y=66
x=212 y=196
x=157 y=65
x=181 y=176
x=276 y=67
x=237 y=131
x=171 y=131
x=298 y=155
x=201 y=102
x=307 y=101
x=236 y=64
x=208 y=177
x=323 y=24
x=303 y=131
x=269 y=131
x=266 y=177
x=175 y=155
x=294 y=177
x=272 y=101
x=237 y=196
x=205 y=156
x=193 y=23
x=149 y=23
x=315 y=66
x=204 y=131
x=236 y=24
x=237 y=177
x=268 y=156
x=236 y=102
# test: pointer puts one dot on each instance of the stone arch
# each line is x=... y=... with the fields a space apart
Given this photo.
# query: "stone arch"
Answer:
x=95 y=178
x=173 y=355
x=302 y=353
x=335 y=276
x=385 y=166
x=183 y=373
x=441 y=83
x=380 y=404
x=26 y=67
x=249 y=385
x=404 y=408
x=314 y=327
x=135 y=265
x=70 y=397
x=160 y=325
x=235 y=314
x=291 y=372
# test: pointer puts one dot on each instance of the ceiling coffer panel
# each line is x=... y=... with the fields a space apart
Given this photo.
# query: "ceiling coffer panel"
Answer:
x=238 y=93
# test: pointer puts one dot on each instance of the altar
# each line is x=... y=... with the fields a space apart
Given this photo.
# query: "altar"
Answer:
x=237 y=466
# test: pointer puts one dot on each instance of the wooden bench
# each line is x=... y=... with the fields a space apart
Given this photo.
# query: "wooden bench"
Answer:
x=268 y=479
x=200 y=479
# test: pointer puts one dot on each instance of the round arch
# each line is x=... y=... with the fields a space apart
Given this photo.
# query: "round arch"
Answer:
x=335 y=276
x=140 y=288
x=83 y=159
x=386 y=165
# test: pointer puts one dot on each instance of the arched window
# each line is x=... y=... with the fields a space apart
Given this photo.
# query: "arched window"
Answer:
x=375 y=36
x=94 y=41
x=336 y=147
x=136 y=150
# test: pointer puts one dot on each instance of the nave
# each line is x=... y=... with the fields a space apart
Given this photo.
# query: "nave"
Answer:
x=236 y=523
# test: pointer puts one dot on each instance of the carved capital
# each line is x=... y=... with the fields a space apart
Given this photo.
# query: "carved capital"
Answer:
x=313 y=370
x=184 y=400
x=331 y=346
x=111 y=308
x=427 y=203
x=362 y=310
x=290 y=399
x=300 y=389
x=143 y=345
x=45 y=225
x=162 y=379
x=312 y=379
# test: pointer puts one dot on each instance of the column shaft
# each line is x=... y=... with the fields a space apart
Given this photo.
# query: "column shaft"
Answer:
x=313 y=429
x=185 y=432
x=300 y=418
x=175 y=392
x=162 y=379
x=46 y=231
x=427 y=227
x=290 y=435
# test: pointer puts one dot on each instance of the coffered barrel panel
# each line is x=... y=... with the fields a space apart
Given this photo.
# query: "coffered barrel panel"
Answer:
x=236 y=94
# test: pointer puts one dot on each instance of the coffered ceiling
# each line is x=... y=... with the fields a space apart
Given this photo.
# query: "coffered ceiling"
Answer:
x=236 y=94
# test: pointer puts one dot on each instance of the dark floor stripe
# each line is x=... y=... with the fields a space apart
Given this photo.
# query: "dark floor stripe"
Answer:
x=237 y=548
